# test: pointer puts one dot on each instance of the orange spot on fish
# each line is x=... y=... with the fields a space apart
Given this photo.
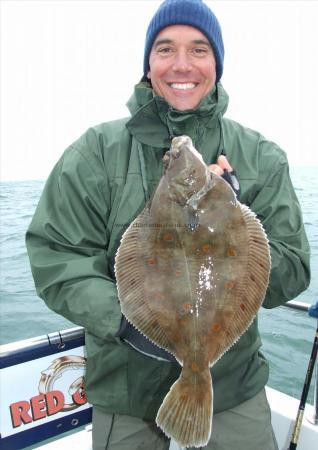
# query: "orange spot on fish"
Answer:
x=151 y=262
x=216 y=327
x=187 y=307
x=207 y=248
x=168 y=237
x=178 y=273
x=195 y=367
x=242 y=306
x=229 y=285
x=231 y=252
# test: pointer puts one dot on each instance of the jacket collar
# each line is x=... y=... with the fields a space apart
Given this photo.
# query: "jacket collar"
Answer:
x=154 y=122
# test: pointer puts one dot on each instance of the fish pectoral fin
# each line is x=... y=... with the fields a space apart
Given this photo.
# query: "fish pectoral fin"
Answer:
x=186 y=412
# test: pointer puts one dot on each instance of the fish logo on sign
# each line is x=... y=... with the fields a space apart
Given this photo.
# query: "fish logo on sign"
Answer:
x=51 y=401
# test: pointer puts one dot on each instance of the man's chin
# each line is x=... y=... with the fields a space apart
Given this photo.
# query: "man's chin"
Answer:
x=183 y=106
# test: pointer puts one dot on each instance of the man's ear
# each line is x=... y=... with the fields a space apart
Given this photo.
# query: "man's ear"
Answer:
x=149 y=75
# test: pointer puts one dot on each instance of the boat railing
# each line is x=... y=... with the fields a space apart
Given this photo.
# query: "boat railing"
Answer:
x=40 y=400
x=42 y=388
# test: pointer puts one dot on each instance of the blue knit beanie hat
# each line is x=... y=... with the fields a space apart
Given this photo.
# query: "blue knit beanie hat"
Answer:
x=187 y=12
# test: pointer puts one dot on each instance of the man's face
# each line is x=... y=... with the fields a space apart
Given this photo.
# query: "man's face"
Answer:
x=182 y=66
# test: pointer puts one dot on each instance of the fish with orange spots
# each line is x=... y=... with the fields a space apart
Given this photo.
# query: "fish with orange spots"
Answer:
x=192 y=271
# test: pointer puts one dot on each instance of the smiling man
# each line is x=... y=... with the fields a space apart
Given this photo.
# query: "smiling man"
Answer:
x=98 y=187
x=182 y=66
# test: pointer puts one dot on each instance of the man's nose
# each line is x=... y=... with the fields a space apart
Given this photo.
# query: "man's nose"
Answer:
x=182 y=62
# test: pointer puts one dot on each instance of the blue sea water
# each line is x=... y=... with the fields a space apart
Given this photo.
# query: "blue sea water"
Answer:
x=287 y=334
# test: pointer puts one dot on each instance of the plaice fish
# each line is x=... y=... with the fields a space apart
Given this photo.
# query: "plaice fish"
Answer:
x=192 y=271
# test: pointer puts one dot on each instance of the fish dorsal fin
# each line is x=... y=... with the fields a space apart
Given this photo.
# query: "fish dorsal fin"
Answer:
x=254 y=285
x=130 y=283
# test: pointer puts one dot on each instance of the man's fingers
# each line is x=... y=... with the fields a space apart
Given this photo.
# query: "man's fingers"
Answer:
x=221 y=166
x=224 y=164
x=215 y=168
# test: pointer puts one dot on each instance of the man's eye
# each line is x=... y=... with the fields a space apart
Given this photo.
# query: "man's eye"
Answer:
x=164 y=50
x=200 y=51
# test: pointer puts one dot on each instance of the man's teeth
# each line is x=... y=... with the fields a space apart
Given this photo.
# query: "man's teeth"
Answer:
x=183 y=86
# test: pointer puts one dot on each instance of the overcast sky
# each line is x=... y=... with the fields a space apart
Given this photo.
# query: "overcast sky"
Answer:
x=69 y=65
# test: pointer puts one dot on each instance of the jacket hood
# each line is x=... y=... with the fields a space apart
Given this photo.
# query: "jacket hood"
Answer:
x=154 y=122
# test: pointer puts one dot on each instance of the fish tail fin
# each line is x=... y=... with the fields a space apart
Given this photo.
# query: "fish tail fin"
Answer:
x=186 y=412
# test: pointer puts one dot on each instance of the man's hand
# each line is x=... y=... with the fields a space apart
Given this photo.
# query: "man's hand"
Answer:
x=221 y=165
x=225 y=170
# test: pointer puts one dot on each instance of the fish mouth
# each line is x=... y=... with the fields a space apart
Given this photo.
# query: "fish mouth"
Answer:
x=178 y=144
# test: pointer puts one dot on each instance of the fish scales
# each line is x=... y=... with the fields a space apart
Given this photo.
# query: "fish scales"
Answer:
x=192 y=271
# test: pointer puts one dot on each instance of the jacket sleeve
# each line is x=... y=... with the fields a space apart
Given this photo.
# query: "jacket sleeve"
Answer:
x=277 y=207
x=67 y=242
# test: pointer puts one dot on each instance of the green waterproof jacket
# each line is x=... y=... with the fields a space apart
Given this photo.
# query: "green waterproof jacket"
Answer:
x=97 y=188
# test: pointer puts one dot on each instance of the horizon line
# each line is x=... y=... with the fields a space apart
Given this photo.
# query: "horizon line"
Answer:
x=12 y=180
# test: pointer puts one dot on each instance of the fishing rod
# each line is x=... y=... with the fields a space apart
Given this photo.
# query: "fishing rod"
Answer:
x=313 y=312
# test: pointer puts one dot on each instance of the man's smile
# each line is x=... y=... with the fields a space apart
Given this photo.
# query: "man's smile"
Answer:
x=182 y=86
